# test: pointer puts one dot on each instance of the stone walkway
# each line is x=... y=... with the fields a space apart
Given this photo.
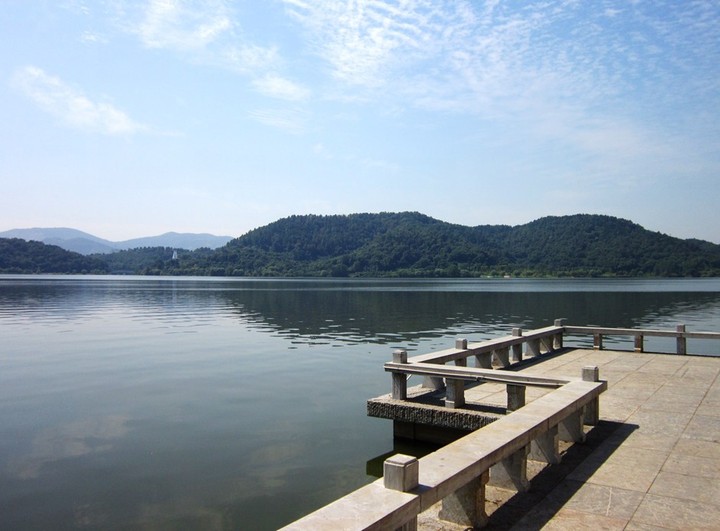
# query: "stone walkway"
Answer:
x=652 y=463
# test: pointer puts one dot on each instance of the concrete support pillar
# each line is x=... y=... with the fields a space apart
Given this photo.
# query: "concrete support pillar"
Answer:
x=466 y=506
x=502 y=355
x=401 y=472
x=547 y=343
x=517 y=349
x=681 y=341
x=597 y=341
x=639 y=344
x=592 y=409
x=511 y=472
x=484 y=360
x=533 y=348
x=455 y=393
x=545 y=447
x=433 y=382
x=515 y=397
x=399 y=380
x=571 y=429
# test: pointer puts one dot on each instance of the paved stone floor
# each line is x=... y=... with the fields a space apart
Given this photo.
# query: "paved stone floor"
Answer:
x=653 y=462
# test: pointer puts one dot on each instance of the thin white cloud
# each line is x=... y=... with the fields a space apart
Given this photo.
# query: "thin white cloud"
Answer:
x=205 y=31
x=279 y=87
x=71 y=106
x=288 y=120
x=244 y=58
x=182 y=25
x=89 y=37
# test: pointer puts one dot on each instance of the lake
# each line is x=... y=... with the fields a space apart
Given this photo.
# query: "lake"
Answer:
x=215 y=403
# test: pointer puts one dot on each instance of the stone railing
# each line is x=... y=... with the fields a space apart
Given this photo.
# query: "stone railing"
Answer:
x=457 y=473
x=681 y=334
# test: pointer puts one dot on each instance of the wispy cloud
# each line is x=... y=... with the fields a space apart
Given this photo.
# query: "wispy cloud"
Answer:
x=289 y=120
x=279 y=87
x=182 y=25
x=71 y=106
x=596 y=78
x=206 y=31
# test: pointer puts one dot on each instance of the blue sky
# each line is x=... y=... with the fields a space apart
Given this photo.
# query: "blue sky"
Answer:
x=134 y=118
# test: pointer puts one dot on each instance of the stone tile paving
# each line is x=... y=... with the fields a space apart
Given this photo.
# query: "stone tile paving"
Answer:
x=652 y=463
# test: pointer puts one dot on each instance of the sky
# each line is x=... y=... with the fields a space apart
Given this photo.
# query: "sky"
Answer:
x=135 y=118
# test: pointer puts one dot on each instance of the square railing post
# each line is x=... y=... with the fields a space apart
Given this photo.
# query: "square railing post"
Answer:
x=639 y=343
x=399 y=379
x=461 y=344
x=681 y=341
x=515 y=397
x=517 y=349
x=455 y=393
x=597 y=341
x=402 y=472
x=558 y=338
x=455 y=389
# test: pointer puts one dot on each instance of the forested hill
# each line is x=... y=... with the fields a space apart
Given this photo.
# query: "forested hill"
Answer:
x=20 y=256
x=410 y=244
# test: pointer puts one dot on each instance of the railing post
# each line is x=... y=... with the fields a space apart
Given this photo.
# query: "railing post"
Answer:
x=401 y=472
x=511 y=472
x=455 y=393
x=681 y=341
x=639 y=343
x=597 y=341
x=466 y=506
x=517 y=349
x=461 y=344
x=484 y=360
x=592 y=409
x=533 y=348
x=548 y=343
x=515 y=397
x=571 y=428
x=558 y=338
x=545 y=447
x=502 y=355
x=399 y=379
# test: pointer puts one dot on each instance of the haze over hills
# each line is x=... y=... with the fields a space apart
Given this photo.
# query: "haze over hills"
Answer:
x=86 y=244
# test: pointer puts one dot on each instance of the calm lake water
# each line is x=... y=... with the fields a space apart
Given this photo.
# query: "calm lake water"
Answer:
x=208 y=403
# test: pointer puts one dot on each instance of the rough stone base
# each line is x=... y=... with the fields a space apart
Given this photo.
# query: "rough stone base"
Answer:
x=423 y=416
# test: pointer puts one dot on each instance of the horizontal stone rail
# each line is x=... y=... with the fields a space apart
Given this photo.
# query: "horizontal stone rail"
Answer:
x=550 y=337
x=457 y=473
x=473 y=374
x=680 y=333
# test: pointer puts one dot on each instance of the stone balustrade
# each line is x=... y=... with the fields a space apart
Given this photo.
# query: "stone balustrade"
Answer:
x=457 y=474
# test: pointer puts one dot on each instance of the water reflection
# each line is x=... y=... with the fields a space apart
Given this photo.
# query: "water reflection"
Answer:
x=66 y=441
x=362 y=311
x=226 y=404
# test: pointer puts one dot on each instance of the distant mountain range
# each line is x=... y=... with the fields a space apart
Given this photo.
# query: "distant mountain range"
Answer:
x=404 y=244
x=83 y=243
